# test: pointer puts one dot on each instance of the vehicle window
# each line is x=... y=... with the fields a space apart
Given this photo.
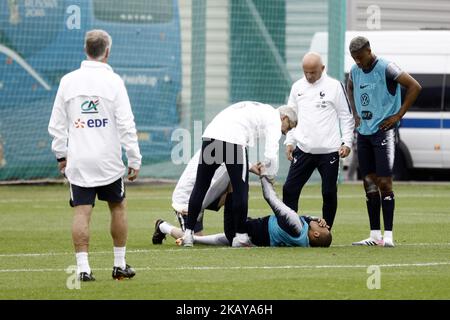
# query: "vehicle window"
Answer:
x=447 y=93
x=430 y=98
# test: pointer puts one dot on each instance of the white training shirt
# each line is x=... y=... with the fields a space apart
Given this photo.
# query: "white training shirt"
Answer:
x=243 y=122
x=323 y=113
x=90 y=121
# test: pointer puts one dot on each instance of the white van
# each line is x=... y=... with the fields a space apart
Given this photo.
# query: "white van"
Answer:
x=425 y=128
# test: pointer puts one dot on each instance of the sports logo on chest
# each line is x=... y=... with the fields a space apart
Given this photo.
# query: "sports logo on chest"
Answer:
x=367 y=86
x=370 y=82
x=322 y=102
x=365 y=99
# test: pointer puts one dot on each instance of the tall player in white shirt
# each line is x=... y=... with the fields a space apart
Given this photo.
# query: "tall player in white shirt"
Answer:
x=90 y=123
x=225 y=140
x=323 y=134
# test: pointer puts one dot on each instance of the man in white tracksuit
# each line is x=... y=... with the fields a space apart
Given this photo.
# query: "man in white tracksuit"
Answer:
x=323 y=134
x=90 y=122
x=225 y=140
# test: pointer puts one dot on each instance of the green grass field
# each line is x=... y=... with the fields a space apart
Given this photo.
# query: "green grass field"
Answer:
x=36 y=249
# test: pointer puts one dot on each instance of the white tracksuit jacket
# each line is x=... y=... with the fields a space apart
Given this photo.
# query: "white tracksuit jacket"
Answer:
x=90 y=122
x=325 y=120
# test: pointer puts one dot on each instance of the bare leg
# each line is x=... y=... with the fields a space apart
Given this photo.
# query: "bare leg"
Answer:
x=80 y=227
x=119 y=223
x=176 y=233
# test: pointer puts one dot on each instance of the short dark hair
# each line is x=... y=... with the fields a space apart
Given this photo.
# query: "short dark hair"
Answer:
x=324 y=240
x=96 y=43
x=358 y=43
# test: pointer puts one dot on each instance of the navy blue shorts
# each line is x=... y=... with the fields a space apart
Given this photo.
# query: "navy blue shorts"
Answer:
x=258 y=231
x=114 y=192
x=376 y=153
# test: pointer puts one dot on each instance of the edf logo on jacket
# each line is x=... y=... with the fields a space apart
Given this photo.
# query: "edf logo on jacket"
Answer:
x=90 y=107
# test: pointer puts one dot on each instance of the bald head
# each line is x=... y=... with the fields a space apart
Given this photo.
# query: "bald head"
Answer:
x=312 y=66
x=312 y=58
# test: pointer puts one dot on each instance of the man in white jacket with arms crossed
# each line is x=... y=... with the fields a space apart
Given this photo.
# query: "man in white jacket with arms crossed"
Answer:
x=91 y=121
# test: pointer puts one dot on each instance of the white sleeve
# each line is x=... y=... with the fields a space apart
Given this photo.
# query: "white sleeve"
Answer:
x=287 y=218
x=346 y=121
x=127 y=128
x=272 y=136
x=185 y=184
x=290 y=139
x=291 y=101
x=58 y=126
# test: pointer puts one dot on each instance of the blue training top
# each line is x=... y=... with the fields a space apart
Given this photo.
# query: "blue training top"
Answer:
x=280 y=238
x=373 y=100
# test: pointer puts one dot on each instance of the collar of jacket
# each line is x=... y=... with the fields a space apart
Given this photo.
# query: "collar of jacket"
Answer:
x=95 y=64
x=320 y=80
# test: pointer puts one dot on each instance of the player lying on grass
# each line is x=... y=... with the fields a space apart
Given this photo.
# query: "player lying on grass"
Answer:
x=282 y=228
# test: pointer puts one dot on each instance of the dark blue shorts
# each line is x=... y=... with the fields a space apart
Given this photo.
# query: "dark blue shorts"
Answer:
x=376 y=153
x=258 y=231
x=114 y=192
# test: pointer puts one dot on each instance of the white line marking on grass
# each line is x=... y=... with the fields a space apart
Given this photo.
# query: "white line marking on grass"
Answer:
x=174 y=249
x=390 y=265
x=177 y=249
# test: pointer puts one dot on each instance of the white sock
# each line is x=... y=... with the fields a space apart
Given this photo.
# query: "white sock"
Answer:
x=82 y=262
x=388 y=235
x=166 y=227
x=119 y=257
x=375 y=234
x=215 y=239
x=188 y=232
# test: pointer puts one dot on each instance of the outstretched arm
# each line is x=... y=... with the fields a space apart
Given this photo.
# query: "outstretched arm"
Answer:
x=287 y=218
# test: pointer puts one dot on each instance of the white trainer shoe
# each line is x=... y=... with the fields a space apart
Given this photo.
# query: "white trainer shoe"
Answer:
x=239 y=242
x=369 y=242
x=388 y=243
x=188 y=240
